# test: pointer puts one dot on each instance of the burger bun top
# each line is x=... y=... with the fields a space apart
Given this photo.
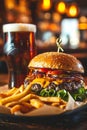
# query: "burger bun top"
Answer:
x=55 y=60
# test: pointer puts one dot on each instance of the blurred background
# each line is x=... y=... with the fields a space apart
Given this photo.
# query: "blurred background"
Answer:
x=66 y=19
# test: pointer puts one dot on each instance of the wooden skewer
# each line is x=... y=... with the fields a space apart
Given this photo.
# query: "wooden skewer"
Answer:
x=58 y=42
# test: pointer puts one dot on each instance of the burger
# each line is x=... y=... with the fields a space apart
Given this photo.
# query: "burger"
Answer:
x=54 y=74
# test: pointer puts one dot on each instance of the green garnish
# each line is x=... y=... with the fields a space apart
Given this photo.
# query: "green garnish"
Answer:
x=51 y=93
x=44 y=93
x=80 y=94
x=63 y=94
x=47 y=93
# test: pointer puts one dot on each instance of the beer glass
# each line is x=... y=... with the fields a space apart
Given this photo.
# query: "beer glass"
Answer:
x=19 y=47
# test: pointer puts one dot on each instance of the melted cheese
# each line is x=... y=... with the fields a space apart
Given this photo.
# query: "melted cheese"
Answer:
x=44 y=82
x=58 y=81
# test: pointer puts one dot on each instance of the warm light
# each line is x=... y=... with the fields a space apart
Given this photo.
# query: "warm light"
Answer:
x=56 y=17
x=83 y=26
x=10 y=4
x=53 y=27
x=73 y=11
x=83 y=19
x=23 y=6
x=83 y=23
x=61 y=7
x=46 y=4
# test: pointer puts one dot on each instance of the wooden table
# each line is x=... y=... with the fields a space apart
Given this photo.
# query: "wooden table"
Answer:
x=76 y=123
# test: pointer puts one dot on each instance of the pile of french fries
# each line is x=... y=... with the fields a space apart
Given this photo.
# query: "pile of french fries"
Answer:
x=21 y=99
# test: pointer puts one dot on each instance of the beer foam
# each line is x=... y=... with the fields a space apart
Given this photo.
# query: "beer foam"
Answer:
x=17 y=27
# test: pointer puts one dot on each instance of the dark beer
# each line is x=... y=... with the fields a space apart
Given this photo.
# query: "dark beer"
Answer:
x=19 y=46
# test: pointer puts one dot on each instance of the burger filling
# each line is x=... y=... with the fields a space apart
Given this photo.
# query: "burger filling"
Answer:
x=48 y=82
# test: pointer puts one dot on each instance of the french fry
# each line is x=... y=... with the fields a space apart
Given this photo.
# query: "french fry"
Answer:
x=36 y=103
x=19 y=90
x=28 y=107
x=28 y=97
x=50 y=99
x=23 y=107
x=3 y=95
x=15 y=108
x=11 y=91
x=27 y=104
x=62 y=106
x=21 y=99
x=56 y=100
x=11 y=104
x=8 y=93
x=59 y=104
x=15 y=97
x=55 y=104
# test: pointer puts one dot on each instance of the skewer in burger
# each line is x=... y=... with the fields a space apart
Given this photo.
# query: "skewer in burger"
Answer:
x=56 y=74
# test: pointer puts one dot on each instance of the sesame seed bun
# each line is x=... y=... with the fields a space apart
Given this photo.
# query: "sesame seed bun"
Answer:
x=55 y=60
